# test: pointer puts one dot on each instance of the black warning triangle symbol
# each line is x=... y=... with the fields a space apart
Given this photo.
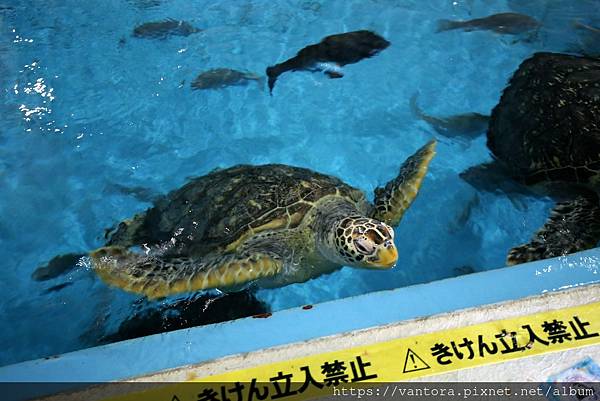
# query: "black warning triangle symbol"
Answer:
x=175 y=398
x=413 y=362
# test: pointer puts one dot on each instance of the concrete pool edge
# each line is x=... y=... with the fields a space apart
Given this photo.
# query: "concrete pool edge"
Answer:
x=147 y=355
x=438 y=323
x=536 y=368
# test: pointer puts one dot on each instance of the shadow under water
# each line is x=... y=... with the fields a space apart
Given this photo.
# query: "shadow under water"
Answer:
x=198 y=310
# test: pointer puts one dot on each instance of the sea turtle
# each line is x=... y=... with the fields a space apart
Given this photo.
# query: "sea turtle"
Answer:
x=222 y=77
x=331 y=54
x=545 y=133
x=271 y=225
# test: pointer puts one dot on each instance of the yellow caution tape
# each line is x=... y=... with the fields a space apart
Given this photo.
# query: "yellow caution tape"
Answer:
x=395 y=360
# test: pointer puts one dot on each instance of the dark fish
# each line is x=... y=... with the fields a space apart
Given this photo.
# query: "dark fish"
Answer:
x=163 y=29
x=330 y=54
x=222 y=77
x=468 y=125
x=503 y=23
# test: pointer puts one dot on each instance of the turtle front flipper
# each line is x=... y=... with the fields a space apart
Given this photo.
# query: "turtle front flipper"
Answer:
x=392 y=200
x=157 y=277
x=572 y=226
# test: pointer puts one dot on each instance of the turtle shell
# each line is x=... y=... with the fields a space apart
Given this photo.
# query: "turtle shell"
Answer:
x=546 y=126
x=217 y=212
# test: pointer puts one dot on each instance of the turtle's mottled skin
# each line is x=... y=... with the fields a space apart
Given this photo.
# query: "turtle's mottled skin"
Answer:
x=217 y=212
x=546 y=130
x=268 y=225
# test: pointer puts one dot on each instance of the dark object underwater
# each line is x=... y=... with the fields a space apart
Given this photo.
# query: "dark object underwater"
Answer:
x=503 y=23
x=586 y=27
x=57 y=266
x=330 y=54
x=467 y=125
x=221 y=77
x=164 y=29
x=197 y=310
x=545 y=134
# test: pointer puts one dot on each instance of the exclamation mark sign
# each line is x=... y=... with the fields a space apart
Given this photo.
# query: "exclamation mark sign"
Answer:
x=415 y=361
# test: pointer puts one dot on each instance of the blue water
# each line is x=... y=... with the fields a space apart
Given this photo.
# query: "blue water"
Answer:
x=85 y=106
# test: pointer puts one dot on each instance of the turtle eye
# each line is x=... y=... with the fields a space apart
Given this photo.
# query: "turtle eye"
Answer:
x=386 y=230
x=374 y=236
x=364 y=246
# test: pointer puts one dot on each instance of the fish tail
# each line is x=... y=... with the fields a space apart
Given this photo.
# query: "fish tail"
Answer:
x=293 y=64
x=260 y=81
x=272 y=74
x=447 y=25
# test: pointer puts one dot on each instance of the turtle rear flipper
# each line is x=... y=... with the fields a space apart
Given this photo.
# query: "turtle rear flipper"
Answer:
x=572 y=226
x=57 y=266
x=156 y=277
x=392 y=200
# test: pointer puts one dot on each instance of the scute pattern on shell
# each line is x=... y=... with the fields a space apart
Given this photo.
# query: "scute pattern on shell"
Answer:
x=212 y=212
x=555 y=133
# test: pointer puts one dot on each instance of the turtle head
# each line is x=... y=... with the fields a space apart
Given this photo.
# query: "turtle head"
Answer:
x=366 y=243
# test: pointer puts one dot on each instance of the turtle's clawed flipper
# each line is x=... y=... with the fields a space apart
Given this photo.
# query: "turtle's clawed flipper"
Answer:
x=157 y=277
x=58 y=266
x=573 y=226
x=392 y=200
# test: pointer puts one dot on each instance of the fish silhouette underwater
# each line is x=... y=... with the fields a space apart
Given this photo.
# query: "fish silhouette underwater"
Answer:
x=164 y=29
x=331 y=54
x=503 y=23
x=218 y=78
x=465 y=126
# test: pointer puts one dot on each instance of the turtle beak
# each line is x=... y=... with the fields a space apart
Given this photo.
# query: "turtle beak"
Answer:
x=386 y=257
